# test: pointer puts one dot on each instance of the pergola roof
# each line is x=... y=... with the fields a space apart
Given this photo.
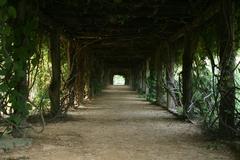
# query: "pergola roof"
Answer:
x=126 y=29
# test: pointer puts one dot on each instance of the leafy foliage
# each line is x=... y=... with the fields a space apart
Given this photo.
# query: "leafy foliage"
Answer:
x=17 y=45
x=152 y=83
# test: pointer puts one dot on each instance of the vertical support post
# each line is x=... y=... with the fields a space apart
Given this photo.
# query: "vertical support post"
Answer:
x=140 y=80
x=127 y=79
x=147 y=76
x=87 y=63
x=54 y=88
x=227 y=65
x=131 y=79
x=81 y=76
x=19 y=100
x=144 y=77
x=136 y=79
x=72 y=72
x=160 y=76
x=170 y=79
x=111 y=78
x=107 y=77
x=190 y=44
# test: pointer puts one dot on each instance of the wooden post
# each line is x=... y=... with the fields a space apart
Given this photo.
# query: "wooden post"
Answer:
x=147 y=76
x=54 y=88
x=81 y=74
x=140 y=88
x=170 y=79
x=130 y=78
x=72 y=72
x=19 y=104
x=127 y=78
x=159 y=67
x=190 y=44
x=227 y=64
x=87 y=72
x=136 y=79
x=107 y=76
x=144 y=78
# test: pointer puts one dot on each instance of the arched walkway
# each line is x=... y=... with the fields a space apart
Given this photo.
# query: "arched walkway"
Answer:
x=118 y=125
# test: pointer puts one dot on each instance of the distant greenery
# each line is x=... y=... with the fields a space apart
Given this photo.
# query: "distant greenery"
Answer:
x=118 y=80
x=41 y=77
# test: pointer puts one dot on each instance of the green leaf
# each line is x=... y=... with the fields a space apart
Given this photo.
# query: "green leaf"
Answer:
x=3 y=87
x=16 y=119
x=12 y=11
x=7 y=30
x=34 y=61
x=3 y=15
x=2 y=2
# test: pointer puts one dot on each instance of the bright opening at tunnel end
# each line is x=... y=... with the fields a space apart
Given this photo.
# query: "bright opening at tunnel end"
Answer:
x=119 y=80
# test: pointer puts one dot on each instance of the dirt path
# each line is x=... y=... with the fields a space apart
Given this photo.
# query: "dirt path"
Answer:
x=120 y=126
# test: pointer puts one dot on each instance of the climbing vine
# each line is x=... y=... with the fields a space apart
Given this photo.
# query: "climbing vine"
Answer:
x=18 y=45
x=152 y=83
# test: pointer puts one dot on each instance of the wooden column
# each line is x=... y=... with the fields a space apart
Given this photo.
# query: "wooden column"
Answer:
x=130 y=78
x=54 y=88
x=144 y=77
x=87 y=73
x=159 y=67
x=127 y=78
x=106 y=76
x=190 y=44
x=140 y=79
x=147 y=74
x=137 y=79
x=96 y=71
x=19 y=78
x=227 y=64
x=170 y=79
x=102 y=73
x=81 y=74
x=72 y=72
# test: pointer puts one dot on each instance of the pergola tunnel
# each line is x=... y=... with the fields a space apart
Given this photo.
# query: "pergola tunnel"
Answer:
x=58 y=56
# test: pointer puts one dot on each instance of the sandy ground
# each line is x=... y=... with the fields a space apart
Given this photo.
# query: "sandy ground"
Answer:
x=120 y=126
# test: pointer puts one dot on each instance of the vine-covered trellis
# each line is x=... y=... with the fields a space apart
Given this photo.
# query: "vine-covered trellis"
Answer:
x=55 y=55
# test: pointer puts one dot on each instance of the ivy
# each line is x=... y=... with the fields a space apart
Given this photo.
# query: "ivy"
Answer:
x=2 y=2
x=18 y=39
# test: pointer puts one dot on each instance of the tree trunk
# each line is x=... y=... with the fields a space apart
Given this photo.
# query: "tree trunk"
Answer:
x=54 y=88
x=190 y=45
x=227 y=64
